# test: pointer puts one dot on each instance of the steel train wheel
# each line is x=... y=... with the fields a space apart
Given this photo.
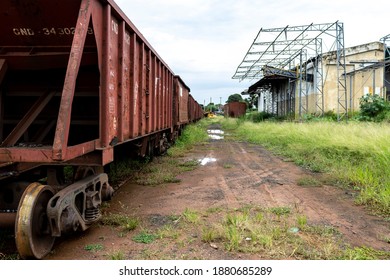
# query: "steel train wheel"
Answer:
x=32 y=229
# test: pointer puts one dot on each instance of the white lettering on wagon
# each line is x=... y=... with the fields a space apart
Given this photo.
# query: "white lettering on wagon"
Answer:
x=127 y=38
x=23 y=32
x=135 y=97
x=47 y=31
x=114 y=26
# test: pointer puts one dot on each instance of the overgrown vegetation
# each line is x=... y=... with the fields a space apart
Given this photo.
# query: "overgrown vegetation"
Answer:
x=257 y=117
x=161 y=170
x=281 y=232
x=165 y=169
x=373 y=108
x=116 y=255
x=144 y=237
x=192 y=134
x=93 y=247
x=354 y=154
x=120 y=171
x=124 y=222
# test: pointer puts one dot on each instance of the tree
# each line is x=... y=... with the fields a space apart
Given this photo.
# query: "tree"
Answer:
x=251 y=101
x=211 y=108
x=235 y=98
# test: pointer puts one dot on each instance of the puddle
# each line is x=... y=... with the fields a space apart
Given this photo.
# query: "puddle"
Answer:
x=216 y=134
x=207 y=160
x=216 y=137
x=215 y=131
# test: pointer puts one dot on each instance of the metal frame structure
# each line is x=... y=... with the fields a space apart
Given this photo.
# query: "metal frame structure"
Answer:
x=386 y=54
x=289 y=48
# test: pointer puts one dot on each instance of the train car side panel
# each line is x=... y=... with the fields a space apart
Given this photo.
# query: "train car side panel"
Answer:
x=182 y=99
x=235 y=109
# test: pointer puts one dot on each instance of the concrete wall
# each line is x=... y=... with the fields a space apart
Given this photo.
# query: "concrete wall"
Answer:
x=360 y=79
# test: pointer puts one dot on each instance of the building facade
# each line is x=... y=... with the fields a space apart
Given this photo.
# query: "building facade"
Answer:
x=313 y=87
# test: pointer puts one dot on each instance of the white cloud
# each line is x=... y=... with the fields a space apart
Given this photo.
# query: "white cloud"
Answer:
x=205 y=40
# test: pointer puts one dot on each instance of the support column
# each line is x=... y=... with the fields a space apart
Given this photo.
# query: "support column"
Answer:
x=260 y=102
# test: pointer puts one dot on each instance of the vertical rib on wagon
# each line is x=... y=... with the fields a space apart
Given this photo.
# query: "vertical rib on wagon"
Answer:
x=63 y=122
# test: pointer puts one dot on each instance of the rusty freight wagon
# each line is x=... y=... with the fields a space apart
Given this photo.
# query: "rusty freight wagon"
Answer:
x=234 y=109
x=77 y=82
x=195 y=111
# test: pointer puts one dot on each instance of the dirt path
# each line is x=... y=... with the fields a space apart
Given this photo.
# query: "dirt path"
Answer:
x=234 y=174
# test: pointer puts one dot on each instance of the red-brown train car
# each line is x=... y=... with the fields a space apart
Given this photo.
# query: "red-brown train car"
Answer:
x=195 y=111
x=77 y=81
x=234 y=109
x=180 y=110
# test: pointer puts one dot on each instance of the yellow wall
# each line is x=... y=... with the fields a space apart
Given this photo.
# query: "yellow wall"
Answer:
x=362 y=81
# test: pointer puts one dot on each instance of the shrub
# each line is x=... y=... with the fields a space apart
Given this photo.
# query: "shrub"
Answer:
x=373 y=108
x=257 y=117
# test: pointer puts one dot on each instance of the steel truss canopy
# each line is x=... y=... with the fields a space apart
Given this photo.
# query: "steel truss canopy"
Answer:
x=281 y=47
x=290 y=48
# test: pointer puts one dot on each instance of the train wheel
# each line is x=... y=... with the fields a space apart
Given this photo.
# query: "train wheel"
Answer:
x=32 y=230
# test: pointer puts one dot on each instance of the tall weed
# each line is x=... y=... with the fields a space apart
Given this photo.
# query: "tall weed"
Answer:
x=191 y=135
x=355 y=154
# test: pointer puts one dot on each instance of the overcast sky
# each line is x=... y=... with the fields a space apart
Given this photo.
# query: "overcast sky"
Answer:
x=204 y=41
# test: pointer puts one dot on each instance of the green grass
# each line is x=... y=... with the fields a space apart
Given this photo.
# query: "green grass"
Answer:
x=189 y=165
x=355 y=155
x=125 y=222
x=168 y=231
x=281 y=232
x=158 y=172
x=280 y=211
x=162 y=170
x=121 y=170
x=277 y=233
x=93 y=247
x=309 y=182
x=191 y=216
x=192 y=134
x=144 y=237
x=116 y=255
x=364 y=253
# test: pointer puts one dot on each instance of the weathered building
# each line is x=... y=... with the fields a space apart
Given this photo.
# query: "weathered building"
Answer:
x=313 y=86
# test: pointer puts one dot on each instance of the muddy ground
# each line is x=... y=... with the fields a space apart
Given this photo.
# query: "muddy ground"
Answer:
x=231 y=174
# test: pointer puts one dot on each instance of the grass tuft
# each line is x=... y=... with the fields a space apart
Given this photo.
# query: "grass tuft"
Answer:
x=191 y=216
x=93 y=247
x=119 y=220
x=144 y=237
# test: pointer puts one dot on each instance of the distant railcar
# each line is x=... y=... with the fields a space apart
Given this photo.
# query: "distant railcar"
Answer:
x=77 y=81
x=234 y=109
